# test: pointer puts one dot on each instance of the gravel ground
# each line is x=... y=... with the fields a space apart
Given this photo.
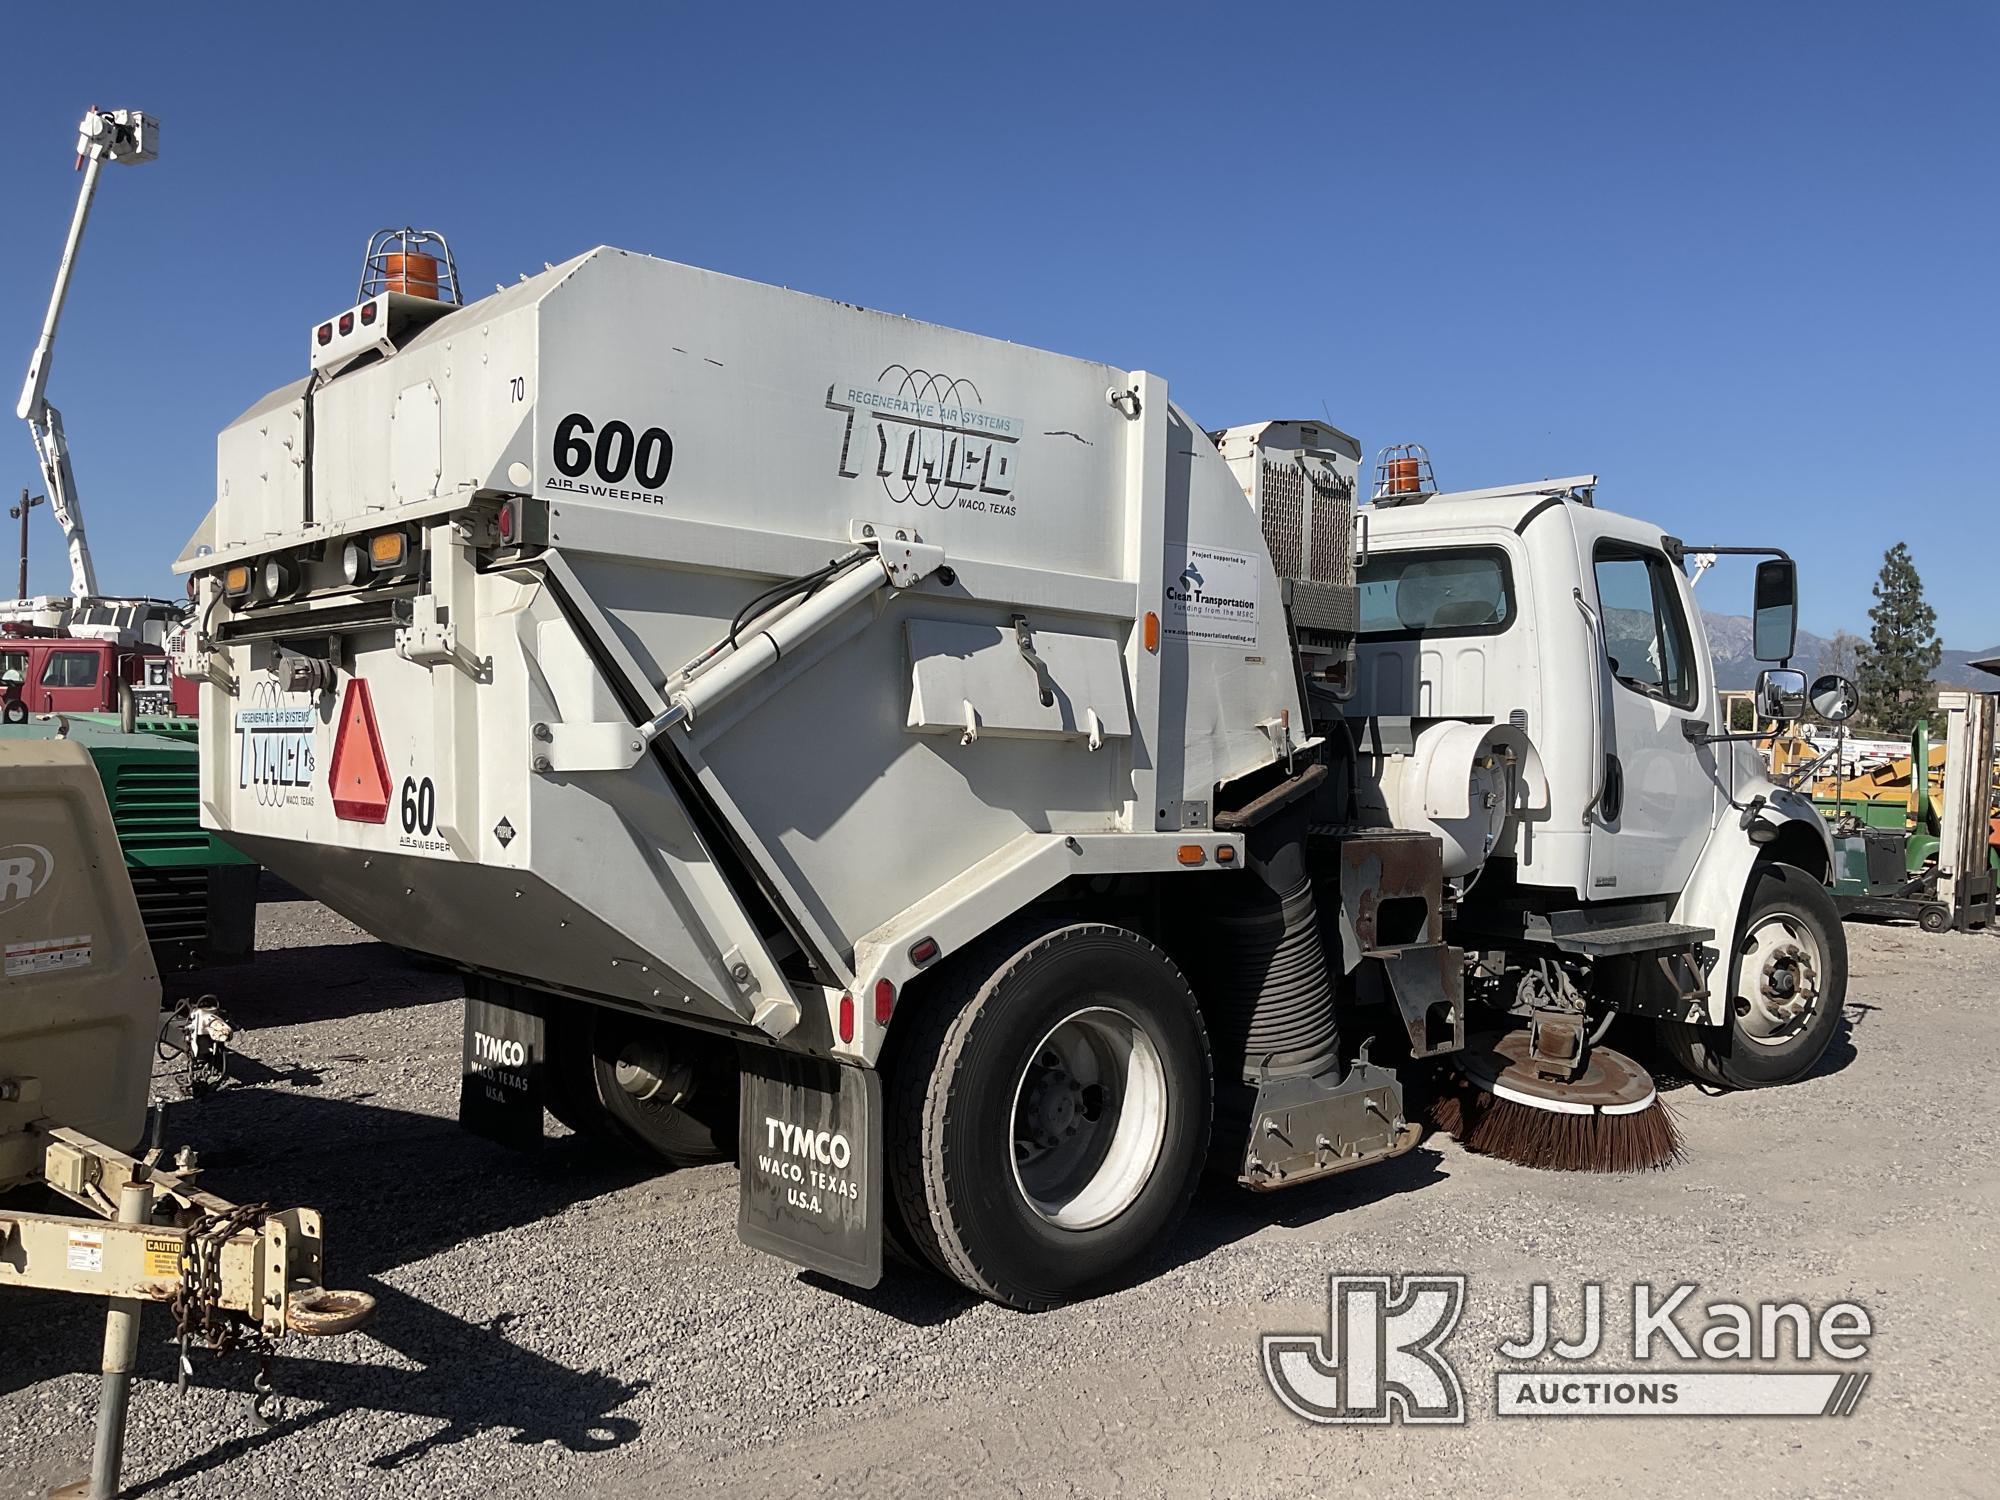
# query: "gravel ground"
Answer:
x=564 y=1324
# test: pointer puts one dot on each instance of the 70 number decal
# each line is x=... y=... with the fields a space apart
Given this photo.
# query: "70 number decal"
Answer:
x=616 y=454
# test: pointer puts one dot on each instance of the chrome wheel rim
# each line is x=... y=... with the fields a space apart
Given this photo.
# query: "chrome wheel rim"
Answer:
x=1089 y=1119
x=1778 y=979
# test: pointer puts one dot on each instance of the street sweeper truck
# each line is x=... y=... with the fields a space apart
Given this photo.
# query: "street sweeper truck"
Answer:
x=950 y=780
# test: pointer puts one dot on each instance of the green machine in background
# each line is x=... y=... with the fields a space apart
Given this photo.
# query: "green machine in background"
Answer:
x=1926 y=853
x=197 y=893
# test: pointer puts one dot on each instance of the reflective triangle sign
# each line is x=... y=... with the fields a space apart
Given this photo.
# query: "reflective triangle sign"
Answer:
x=359 y=776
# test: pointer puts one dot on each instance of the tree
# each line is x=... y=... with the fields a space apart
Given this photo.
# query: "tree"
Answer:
x=1903 y=648
x=1842 y=656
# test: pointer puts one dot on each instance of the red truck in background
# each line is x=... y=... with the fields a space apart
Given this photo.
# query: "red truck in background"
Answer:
x=45 y=671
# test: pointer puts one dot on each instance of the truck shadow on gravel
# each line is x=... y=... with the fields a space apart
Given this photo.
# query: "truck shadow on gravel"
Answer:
x=427 y=1187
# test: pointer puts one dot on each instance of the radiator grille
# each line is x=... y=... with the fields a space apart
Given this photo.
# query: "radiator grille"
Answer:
x=157 y=807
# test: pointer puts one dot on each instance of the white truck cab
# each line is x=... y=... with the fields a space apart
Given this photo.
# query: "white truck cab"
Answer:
x=1533 y=607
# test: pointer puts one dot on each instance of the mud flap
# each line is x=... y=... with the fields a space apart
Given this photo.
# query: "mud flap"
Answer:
x=505 y=1052
x=810 y=1164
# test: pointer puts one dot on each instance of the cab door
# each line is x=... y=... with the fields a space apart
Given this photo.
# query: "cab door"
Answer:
x=1656 y=790
x=73 y=679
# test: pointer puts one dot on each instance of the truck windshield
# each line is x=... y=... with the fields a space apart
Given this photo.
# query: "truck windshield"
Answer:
x=1460 y=591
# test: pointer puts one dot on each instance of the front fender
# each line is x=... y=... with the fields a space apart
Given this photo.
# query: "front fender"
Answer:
x=1715 y=893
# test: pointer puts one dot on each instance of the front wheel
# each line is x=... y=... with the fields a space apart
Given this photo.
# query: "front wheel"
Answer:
x=15 y=712
x=1050 y=1113
x=1787 y=981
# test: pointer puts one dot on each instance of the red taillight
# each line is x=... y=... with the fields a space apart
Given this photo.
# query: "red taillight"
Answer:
x=367 y=314
x=504 y=522
x=885 y=1001
x=923 y=951
x=847 y=1018
x=326 y=333
x=346 y=324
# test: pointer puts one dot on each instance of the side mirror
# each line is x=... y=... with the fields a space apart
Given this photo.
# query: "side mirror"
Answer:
x=1834 y=698
x=1781 y=694
x=1774 y=619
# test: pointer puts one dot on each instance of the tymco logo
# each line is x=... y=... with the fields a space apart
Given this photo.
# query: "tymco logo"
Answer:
x=24 y=870
x=1379 y=1359
x=274 y=747
x=927 y=440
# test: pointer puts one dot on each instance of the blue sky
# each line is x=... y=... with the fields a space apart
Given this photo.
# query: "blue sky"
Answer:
x=1737 y=259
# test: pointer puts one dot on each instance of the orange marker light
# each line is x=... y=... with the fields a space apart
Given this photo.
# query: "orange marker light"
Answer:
x=1225 y=854
x=1193 y=854
x=1152 y=631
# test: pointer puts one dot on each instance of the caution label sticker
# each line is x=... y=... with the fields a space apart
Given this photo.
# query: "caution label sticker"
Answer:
x=163 y=1255
x=39 y=955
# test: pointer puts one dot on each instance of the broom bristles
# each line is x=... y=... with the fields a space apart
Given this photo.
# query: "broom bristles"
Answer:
x=1645 y=1141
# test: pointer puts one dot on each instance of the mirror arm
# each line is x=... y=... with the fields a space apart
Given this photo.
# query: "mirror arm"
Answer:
x=1696 y=732
x=1676 y=549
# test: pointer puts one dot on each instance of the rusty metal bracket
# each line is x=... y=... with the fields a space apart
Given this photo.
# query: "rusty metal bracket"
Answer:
x=1391 y=889
x=1556 y=1043
x=1428 y=982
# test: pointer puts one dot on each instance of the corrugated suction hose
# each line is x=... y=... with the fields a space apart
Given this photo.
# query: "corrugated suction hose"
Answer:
x=1272 y=995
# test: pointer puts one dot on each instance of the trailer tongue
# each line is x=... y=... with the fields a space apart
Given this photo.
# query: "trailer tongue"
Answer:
x=926 y=760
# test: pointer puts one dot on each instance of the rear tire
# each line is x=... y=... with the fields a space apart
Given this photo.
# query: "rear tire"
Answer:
x=15 y=713
x=647 y=1086
x=1787 y=982
x=1049 y=1113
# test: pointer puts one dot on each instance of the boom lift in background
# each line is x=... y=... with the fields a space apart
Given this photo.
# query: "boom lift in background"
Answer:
x=124 y=135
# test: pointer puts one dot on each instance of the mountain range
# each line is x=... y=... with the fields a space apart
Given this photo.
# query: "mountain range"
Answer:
x=1735 y=667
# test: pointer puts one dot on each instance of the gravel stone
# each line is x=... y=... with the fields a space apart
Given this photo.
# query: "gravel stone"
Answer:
x=567 y=1323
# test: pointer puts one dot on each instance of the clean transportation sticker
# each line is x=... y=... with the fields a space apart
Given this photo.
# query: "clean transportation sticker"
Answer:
x=1213 y=599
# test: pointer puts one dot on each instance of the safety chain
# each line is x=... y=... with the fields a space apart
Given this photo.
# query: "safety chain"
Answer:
x=199 y=1315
